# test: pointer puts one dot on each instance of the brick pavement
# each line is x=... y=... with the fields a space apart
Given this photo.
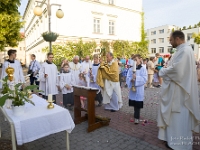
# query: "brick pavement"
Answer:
x=121 y=134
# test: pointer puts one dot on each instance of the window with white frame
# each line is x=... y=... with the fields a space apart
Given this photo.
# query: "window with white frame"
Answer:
x=167 y=39
x=97 y=25
x=161 y=31
x=153 y=50
x=111 y=27
x=161 y=49
x=153 y=32
x=111 y=2
x=153 y=41
x=161 y=40
x=169 y=49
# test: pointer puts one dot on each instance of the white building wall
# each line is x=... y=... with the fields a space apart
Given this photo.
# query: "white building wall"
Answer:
x=78 y=22
x=167 y=31
x=188 y=37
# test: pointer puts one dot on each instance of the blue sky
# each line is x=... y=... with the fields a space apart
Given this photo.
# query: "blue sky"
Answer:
x=162 y=12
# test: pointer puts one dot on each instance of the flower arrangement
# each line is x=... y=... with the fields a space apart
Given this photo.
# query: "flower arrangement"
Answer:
x=16 y=94
x=50 y=36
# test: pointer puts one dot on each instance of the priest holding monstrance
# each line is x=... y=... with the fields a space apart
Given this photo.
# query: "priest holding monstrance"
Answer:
x=108 y=80
x=16 y=65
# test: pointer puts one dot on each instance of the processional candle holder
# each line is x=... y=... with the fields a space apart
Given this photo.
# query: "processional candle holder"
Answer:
x=134 y=71
x=50 y=101
x=91 y=77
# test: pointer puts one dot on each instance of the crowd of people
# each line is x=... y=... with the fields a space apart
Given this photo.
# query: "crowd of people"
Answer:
x=177 y=78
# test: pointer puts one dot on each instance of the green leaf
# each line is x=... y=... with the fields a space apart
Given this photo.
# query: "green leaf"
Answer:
x=3 y=99
x=31 y=87
x=18 y=85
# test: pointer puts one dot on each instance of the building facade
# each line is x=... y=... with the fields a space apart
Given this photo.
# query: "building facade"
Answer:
x=87 y=19
x=21 y=52
x=159 y=40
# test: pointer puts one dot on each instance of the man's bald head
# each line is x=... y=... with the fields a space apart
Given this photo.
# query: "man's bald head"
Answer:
x=87 y=58
x=76 y=59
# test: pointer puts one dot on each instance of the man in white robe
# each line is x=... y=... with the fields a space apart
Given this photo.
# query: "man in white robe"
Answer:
x=108 y=80
x=85 y=66
x=75 y=67
x=48 y=76
x=179 y=112
x=12 y=62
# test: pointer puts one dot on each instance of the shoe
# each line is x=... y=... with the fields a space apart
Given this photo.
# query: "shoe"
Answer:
x=113 y=110
x=99 y=105
x=158 y=86
x=136 y=121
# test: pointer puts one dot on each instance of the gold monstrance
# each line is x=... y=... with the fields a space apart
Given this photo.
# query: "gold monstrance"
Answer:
x=10 y=71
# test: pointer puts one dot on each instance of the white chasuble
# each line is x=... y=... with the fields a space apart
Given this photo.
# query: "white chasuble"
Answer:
x=179 y=112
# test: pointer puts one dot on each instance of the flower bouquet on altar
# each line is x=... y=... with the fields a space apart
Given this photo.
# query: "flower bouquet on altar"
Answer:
x=15 y=94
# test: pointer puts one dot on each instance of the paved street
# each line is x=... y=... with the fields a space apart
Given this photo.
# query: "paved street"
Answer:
x=121 y=134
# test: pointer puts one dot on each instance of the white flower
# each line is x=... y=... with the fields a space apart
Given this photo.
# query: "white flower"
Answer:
x=2 y=81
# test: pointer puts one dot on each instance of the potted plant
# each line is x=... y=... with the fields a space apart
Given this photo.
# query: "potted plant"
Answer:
x=50 y=36
x=17 y=95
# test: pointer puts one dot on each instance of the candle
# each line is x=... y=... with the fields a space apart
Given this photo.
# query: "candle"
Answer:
x=90 y=65
x=50 y=97
x=134 y=66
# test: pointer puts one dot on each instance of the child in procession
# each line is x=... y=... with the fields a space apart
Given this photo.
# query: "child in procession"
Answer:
x=66 y=82
x=92 y=75
x=138 y=80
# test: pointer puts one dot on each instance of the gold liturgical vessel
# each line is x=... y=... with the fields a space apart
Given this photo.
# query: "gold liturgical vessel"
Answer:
x=10 y=71
x=50 y=101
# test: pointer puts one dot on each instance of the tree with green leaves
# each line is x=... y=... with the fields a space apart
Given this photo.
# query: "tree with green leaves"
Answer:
x=196 y=38
x=142 y=46
x=195 y=26
x=69 y=50
x=198 y=24
x=190 y=27
x=10 y=23
x=184 y=28
x=121 y=48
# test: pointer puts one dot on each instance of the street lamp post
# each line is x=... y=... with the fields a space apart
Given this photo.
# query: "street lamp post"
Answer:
x=38 y=12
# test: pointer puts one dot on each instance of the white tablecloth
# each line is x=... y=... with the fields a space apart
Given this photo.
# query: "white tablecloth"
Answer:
x=38 y=121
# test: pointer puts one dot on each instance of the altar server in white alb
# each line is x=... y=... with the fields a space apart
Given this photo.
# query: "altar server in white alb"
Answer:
x=85 y=68
x=48 y=75
x=12 y=62
x=135 y=82
x=179 y=112
x=93 y=75
x=66 y=85
x=75 y=68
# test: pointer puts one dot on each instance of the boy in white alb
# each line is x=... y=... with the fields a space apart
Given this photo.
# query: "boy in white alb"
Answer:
x=67 y=80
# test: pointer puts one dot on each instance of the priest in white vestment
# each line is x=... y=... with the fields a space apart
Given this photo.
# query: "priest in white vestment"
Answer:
x=179 y=112
x=12 y=62
x=48 y=76
x=75 y=68
x=108 y=80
